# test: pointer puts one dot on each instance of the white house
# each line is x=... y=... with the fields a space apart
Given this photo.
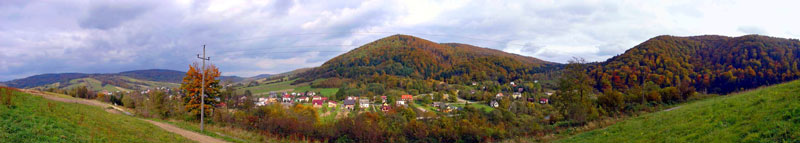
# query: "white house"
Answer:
x=363 y=103
x=516 y=95
x=287 y=98
x=262 y=101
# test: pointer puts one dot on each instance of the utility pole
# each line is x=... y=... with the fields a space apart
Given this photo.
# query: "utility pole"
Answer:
x=203 y=87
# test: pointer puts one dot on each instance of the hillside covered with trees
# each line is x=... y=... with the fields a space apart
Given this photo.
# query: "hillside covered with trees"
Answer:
x=408 y=56
x=710 y=64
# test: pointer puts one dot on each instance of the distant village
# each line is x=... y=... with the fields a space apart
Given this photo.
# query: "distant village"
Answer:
x=381 y=102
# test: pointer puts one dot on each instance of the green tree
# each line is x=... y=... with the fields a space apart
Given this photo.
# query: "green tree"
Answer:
x=128 y=102
x=574 y=91
x=158 y=103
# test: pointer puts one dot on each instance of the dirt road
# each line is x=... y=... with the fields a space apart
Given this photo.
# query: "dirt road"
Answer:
x=168 y=127
x=185 y=133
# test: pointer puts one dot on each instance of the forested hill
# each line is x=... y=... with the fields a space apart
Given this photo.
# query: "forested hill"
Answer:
x=716 y=64
x=409 y=56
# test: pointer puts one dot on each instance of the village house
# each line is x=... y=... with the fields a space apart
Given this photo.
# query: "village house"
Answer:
x=287 y=98
x=261 y=101
x=499 y=95
x=316 y=98
x=302 y=99
x=407 y=97
x=331 y=104
x=363 y=103
x=494 y=104
x=446 y=108
x=383 y=99
x=385 y=107
x=351 y=98
x=272 y=99
x=516 y=95
x=544 y=101
x=349 y=104
x=317 y=103
x=400 y=103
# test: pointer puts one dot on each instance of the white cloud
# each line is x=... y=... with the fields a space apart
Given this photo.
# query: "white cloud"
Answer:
x=98 y=36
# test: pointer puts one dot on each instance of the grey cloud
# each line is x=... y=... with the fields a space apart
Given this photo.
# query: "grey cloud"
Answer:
x=109 y=15
x=97 y=36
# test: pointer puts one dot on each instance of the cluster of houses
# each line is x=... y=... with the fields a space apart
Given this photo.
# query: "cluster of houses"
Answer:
x=351 y=102
x=517 y=95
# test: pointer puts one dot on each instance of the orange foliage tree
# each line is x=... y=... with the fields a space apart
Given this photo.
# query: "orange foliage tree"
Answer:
x=191 y=87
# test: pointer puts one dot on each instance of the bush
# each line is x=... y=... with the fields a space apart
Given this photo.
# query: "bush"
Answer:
x=128 y=102
x=6 y=96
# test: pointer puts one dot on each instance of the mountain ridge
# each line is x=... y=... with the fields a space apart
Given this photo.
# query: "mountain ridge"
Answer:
x=409 y=56
x=156 y=75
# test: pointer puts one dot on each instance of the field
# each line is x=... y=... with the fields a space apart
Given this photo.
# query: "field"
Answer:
x=481 y=106
x=96 y=85
x=35 y=119
x=286 y=86
x=770 y=114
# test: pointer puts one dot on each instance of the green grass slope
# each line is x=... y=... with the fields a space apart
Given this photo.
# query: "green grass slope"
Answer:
x=35 y=119
x=770 y=114
x=264 y=89
x=95 y=85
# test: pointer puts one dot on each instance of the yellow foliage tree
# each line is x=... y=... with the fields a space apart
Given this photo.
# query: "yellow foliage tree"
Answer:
x=191 y=87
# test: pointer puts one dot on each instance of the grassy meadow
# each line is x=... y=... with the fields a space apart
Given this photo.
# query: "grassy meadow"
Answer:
x=286 y=86
x=35 y=119
x=769 y=114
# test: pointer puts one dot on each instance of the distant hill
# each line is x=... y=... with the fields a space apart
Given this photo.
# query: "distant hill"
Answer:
x=409 y=56
x=770 y=114
x=160 y=75
x=42 y=79
x=716 y=64
x=135 y=77
x=261 y=76
x=229 y=78
x=255 y=78
x=126 y=80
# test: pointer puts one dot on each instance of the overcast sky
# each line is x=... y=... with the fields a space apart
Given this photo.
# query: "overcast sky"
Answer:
x=250 y=38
